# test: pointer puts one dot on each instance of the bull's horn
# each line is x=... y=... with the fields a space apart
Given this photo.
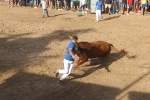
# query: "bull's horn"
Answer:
x=70 y=37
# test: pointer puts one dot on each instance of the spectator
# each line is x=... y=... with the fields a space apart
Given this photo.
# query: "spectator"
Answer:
x=120 y=5
x=15 y=2
x=124 y=6
x=35 y=3
x=86 y=5
x=115 y=7
x=59 y=4
x=149 y=5
x=83 y=4
x=108 y=4
x=139 y=6
x=71 y=4
x=144 y=6
x=31 y=3
x=129 y=5
x=66 y=4
x=103 y=6
x=55 y=3
x=135 y=6
x=50 y=4
x=75 y=4
x=10 y=3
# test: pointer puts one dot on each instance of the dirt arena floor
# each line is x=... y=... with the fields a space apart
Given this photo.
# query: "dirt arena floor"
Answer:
x=33 y=48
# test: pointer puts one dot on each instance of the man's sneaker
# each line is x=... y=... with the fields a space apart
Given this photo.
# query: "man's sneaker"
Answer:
x=35 y=7
x=60 y=81
x=57 y=73
x=127 y=14
x=96 y=21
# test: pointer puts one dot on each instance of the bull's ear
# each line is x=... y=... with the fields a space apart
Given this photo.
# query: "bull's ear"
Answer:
x=84 y=45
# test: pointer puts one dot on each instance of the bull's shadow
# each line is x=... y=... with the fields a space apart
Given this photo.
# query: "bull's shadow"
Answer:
x=99 y=63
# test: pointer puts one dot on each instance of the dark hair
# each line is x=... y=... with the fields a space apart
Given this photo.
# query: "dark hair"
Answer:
x=75 y=38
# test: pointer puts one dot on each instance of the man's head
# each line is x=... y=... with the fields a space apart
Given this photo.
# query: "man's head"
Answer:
x=74 y=38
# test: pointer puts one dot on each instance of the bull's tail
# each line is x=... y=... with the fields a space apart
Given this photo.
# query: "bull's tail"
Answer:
x=121 y=51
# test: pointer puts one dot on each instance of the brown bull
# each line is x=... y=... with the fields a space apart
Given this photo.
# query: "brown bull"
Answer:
x=95 y=49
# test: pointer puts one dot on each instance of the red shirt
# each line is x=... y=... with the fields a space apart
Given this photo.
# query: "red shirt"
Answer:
x=130 y=2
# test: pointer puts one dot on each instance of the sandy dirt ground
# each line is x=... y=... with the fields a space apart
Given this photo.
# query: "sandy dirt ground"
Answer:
x=32 y=49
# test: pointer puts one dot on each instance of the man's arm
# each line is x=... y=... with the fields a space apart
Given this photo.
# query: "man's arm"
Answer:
x=71 y=53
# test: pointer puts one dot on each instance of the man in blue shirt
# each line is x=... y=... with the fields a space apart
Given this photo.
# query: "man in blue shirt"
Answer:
x=68 y=59
x=98 y=10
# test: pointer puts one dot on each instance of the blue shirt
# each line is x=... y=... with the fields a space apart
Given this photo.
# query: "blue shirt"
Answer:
x=68 y=55
x=99 y=5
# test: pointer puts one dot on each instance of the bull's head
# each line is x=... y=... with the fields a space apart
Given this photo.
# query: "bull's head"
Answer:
x=84 y=45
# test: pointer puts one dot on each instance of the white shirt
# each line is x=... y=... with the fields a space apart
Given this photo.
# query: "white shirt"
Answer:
x=83 y=2
x=43 y=4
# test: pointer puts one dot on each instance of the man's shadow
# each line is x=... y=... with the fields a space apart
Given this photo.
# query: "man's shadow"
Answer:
x=99 y=63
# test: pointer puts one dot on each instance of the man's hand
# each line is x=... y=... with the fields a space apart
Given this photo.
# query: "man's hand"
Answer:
x=73 y=56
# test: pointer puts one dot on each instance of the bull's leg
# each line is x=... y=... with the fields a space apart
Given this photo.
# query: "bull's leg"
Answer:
x=80 y=61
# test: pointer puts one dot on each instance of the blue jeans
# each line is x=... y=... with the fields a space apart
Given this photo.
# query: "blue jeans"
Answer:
x=124 y=5
x=115 y=7
x=31 y=3
x=43 y=12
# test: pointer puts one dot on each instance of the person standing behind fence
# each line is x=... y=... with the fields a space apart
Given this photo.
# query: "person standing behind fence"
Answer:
x=10 y=2
x=44 y=8
x=124 y=6
x=129 y=5
x=149 y=5
x=75 y=4
x=139 y=6
x=66 y=4
x=108 y=4
x=144 y=6
x=120 y=5
x=135 y=6
x=83 y=4
x=35 y=4
x=59 y=4
x=98 y=10
x=115 y=7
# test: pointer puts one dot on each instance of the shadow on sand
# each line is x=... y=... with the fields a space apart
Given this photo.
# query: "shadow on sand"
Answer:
x=29 y=86
x=17 y=51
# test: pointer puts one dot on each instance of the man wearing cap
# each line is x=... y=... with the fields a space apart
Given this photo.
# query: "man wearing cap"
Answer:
x=68 y=59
